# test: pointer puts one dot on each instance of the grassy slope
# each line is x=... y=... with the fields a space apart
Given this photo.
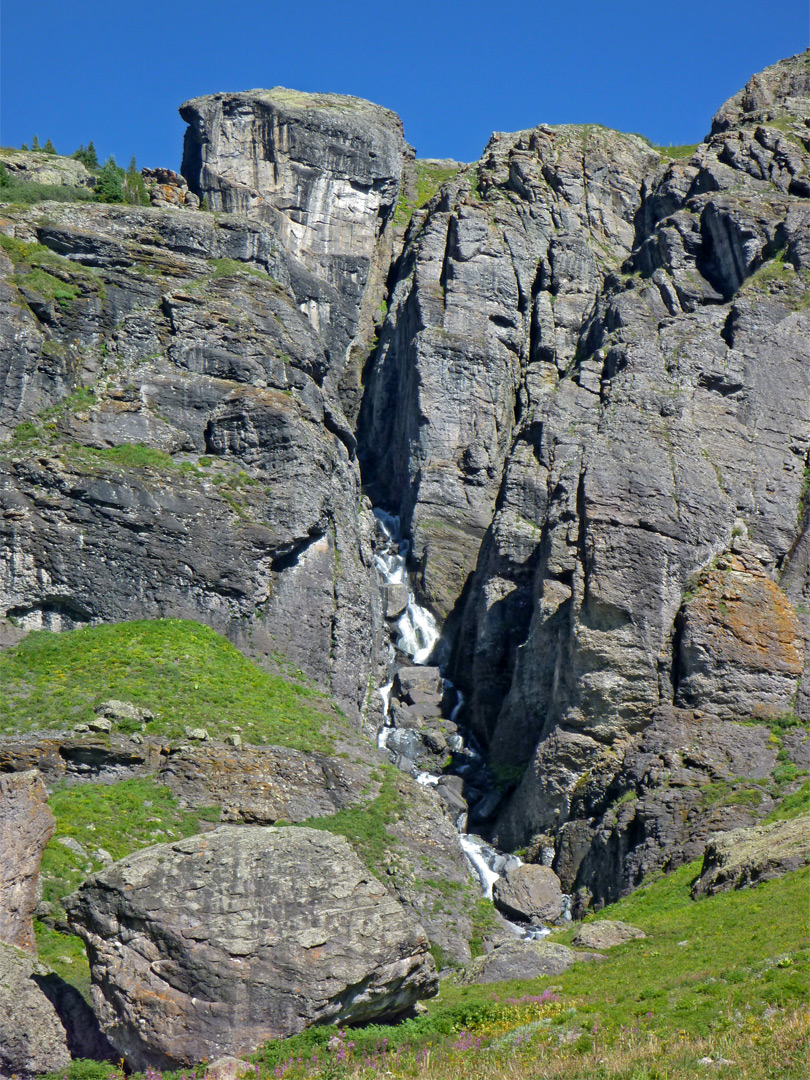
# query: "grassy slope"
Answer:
x=725 y=976
x=186 y=673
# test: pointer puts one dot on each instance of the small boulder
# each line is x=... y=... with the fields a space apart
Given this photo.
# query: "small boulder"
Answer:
x=605 y=933
x=519 y=960
x=100 y=723
x=396 y=600
x=123 y=710
x=419 y=677
x=743 y=857
x=529 y=892
x=197 y=734
x=228 y=1068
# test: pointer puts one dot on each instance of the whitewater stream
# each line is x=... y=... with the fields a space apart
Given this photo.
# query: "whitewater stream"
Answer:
x=415 y=634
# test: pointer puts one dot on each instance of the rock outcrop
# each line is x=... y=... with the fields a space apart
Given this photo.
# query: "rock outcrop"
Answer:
x=26 y=826
x=745 y=857
x=323 y=170
x=605 y=933
x=214 y=944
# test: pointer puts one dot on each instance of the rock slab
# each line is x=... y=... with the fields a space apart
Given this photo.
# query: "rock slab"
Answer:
x=605 y=933
x=520 y=960
x=212 y=945
x=743 y=857
x=26 y=826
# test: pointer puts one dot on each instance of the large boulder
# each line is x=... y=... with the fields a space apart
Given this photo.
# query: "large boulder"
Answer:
x=529 y=892
x=743 y=857
x=26 y=826
x=32 y=1039
x=214 y=944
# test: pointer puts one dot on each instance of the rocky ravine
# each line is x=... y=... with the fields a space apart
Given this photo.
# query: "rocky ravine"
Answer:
x=589 y=403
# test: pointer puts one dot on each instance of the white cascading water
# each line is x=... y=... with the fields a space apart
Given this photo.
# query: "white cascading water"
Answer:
x=416 y=635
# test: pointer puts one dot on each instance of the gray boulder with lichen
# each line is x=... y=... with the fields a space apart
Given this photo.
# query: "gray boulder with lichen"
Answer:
x=214 y=944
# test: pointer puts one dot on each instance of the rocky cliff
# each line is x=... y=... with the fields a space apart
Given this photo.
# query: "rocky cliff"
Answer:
x=590 y=406
x=580 y=377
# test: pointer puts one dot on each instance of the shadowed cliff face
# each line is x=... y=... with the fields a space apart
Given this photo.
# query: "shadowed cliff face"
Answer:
x=594 y=373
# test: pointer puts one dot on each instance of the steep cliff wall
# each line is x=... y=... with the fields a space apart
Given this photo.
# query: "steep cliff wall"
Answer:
x=175 y=448
x=324 y=171
x=593 y=383
x=589 y=402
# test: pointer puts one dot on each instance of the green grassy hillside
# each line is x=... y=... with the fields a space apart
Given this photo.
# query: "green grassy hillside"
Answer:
x=184 y=672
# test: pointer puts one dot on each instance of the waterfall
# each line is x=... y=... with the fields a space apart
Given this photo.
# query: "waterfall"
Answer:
x=414 y=634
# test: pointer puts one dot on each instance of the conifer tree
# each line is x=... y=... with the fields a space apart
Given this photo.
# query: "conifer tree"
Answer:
x=35 y=143
x=134 y=187
x=49 y=148
x=110 y=183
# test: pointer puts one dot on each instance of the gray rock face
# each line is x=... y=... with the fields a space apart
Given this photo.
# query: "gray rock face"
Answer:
x=32 y=1040
x=212 y=945
x=529 y=892
x=745 y=857
x=651 y=802
x=591 y=383
x=182 y=342
x=26 y=826
x=323 y=171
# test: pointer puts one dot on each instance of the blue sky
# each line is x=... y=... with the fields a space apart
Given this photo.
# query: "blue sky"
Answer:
x=116 y=72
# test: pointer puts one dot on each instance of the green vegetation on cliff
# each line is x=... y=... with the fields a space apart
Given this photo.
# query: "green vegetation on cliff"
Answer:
x=184 y=672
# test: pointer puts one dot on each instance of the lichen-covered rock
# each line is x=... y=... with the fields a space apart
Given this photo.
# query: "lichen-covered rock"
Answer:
x=32 y=1039
x=745 y=857
x=605 y=933
x=529 y=892
x=211 y=945
x=741 y=643
x=26 y=826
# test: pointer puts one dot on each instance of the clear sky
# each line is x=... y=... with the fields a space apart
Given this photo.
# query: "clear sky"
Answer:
x=115 y=72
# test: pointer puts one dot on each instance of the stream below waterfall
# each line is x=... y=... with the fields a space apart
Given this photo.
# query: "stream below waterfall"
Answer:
x=414 y=639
